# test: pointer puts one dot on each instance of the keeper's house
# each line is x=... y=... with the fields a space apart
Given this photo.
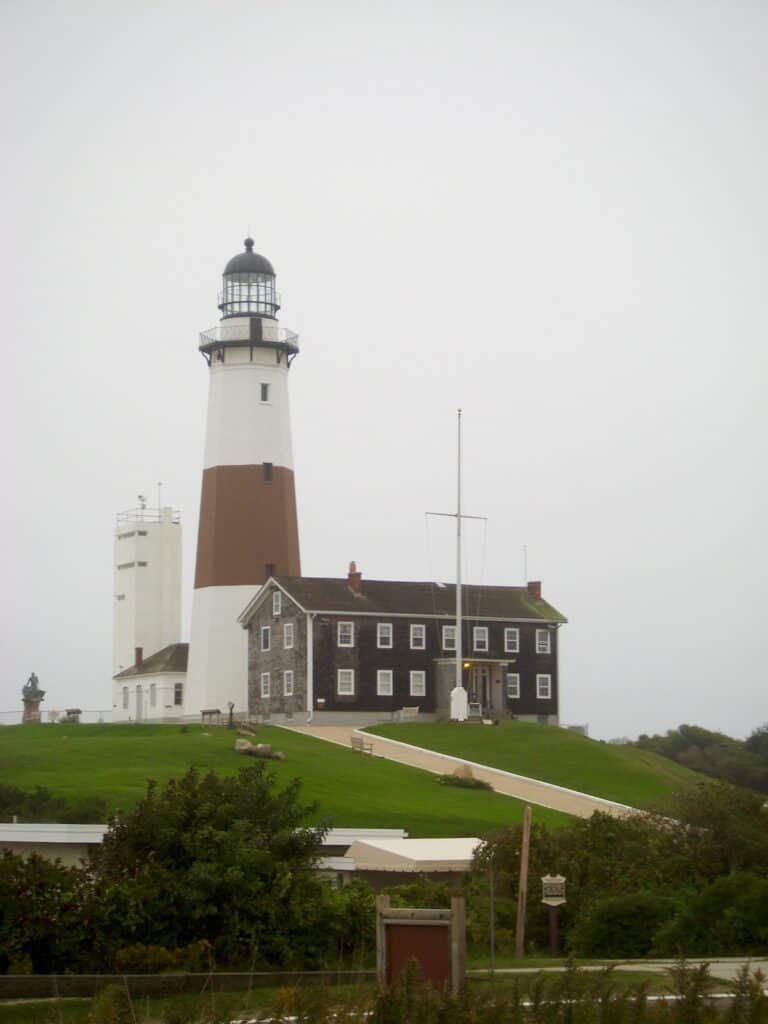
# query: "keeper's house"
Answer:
x=353 y=650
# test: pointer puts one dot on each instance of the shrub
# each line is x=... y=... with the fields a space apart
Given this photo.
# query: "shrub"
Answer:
x=728 y=917
x=620 y=926
x=111 y=1005
x=463 y=783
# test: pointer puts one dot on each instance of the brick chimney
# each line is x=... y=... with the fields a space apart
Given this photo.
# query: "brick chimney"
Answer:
x=534 y=589
x=354 y=579
x=139 y=656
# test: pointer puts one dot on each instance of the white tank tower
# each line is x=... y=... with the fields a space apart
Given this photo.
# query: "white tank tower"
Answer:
x=147 y=583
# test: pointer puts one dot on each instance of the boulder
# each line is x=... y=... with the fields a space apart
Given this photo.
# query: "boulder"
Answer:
x=244 y=746
x=463 y=772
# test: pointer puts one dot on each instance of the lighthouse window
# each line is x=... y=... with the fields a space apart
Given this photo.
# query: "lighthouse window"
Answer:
x=265 y=392
x=267 y=468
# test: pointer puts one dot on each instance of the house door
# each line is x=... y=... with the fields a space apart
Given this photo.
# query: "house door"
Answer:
x=481 y=686
x=139 y=703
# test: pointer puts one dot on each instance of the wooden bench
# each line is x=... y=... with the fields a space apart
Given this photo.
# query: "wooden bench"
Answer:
x=361 y=744
x=211 y=716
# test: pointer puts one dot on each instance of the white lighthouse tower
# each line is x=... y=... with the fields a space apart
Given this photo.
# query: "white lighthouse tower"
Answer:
x=248 y=526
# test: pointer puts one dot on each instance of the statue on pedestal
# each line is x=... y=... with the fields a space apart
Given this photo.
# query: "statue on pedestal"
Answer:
x=32 y=696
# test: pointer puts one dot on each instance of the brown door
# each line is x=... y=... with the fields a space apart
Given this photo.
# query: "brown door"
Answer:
x=428 y=944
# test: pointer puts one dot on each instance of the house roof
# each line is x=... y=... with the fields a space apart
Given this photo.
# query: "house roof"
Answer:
x=389 y=597
x=413 y=854
x=172 y=658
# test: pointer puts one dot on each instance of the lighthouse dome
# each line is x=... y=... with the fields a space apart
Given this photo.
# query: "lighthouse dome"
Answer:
x=249 y=262
x=248 y=286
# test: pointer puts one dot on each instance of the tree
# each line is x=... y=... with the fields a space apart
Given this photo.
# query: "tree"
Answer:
x=222 y=859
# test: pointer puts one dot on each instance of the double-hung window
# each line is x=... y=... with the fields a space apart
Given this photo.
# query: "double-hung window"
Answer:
x=345 y=682
x=384 y=634
x=288 y=683
x=265 y=681
x=513 y=685
x=277 y=602
x=418 y=683
x=543 y=687
x=287 y=635
x=449 y=638
x=345 y=636
x=418 y=637
x=178 y=694
x=480 y=638
x=384 y=682
x=125 y=698
x=511 y=640
x=266 y=638
x=543 y=641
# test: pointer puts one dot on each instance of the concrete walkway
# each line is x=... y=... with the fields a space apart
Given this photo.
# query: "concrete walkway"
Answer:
x=543 y=794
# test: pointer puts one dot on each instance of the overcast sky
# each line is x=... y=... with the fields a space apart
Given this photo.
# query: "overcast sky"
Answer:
x=552 y=214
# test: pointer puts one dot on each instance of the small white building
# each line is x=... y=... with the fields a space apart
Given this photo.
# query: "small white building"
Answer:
x=147 y=583
x=68 y=843
x=152 y=689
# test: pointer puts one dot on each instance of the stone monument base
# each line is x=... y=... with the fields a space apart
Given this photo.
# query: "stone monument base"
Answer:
x=31 y=714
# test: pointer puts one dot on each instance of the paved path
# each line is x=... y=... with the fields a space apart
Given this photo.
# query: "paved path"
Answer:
x=530 y=790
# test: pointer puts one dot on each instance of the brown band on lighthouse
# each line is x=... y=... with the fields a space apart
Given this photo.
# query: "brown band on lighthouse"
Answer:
x=247 y=522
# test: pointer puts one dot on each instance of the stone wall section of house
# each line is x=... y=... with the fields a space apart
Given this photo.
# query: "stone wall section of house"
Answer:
x=277 y=660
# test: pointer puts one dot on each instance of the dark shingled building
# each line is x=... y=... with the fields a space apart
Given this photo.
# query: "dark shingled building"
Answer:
x=364 y=651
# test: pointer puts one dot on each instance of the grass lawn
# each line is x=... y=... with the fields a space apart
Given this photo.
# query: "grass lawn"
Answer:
x=626 y=774
x=350 y=789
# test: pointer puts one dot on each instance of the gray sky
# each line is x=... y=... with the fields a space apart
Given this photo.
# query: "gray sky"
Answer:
x=552 y=214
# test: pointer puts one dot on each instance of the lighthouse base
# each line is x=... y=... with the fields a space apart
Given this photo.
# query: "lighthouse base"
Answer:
x=218 y=652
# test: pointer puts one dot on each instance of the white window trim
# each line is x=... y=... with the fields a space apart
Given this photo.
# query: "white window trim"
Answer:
x=480 y=639
x=351 y=634
x=543 y=681
x=423 y=681
x=543 y=641
x=351 y=673
x=380 y=626
x=266 y=685
x=516 y=677
x=289 y=631
x=418 y=646
x=288 y=682
x=511 y=639
x=277 y=602
x=381 y=675
x=446 y=645
x=266 y=633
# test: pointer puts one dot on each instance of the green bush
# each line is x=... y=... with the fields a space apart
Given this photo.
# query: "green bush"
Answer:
x=730 y=916
x=111 y=1005
x=620 y=926
x=140 y=959
x=462 y=783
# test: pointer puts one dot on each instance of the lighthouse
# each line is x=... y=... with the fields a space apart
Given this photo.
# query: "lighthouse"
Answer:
x=248 y=527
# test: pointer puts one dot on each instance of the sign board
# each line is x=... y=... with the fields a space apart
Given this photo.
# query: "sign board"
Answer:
x=553 y=890
x=435 y=939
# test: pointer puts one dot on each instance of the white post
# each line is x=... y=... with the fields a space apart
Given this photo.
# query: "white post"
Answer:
x=458 y=693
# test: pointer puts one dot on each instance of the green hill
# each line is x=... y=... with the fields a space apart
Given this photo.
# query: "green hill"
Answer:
x=350 y=789
x=623 y=773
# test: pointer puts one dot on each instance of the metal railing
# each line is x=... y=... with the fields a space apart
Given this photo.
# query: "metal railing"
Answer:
x=147 y=515
x=223 y=334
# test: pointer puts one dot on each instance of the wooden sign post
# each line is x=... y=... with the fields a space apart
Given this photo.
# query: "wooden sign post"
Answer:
x=553 y=896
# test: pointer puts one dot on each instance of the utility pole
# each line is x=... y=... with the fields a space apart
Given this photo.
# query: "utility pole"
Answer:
x=522 y=889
